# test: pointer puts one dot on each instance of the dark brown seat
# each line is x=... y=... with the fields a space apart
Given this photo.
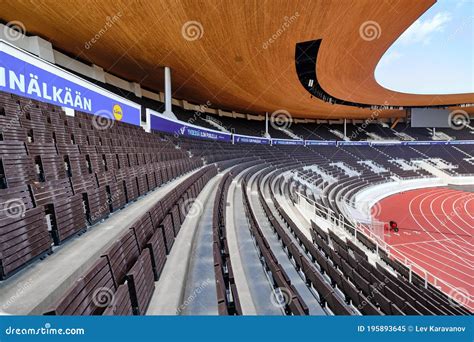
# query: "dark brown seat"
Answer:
x=122 y=255
x=141 y=283
x=90 y=294
x=157 y=248
x=17 y=167
x=115 y=191
x=65 y=209
x=121 y=304
x=143 y=229
x=24 y=234
x=95 y=198
x=167 y=227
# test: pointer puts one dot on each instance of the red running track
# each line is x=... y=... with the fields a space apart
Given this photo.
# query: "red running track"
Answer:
x=436 y=230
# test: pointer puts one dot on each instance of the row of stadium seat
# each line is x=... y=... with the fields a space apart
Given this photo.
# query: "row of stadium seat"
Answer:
x=363 y=285
x=65 y=173
x=411 y=306
x=53 y=189
x=227 y=297
x=136 y=259
x=325 y=293
x=378 y=291
x=369 y=130
x=294 y=304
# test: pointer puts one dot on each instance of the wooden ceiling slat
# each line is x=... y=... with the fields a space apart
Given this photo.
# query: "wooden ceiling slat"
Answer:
x=229 y=65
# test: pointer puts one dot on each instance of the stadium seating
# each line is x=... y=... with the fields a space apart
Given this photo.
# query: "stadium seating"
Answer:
x=134 y=259
x=69 y=171
x=63 y=175
x=373 y=130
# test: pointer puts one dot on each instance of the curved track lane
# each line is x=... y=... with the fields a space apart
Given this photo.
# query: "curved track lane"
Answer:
x=436 y=230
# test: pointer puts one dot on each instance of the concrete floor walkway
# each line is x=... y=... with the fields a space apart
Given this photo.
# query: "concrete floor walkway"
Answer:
x=200 y=296
x=283 y=259
x=243 y=289
x=180 y=290
x=255 y=278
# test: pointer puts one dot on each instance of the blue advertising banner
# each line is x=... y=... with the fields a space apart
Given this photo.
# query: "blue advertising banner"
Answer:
x=287 y=142
x=353 y=143
x=247 y=139
x=26 y=75
x=180 y=128
x=243 y=328
x=424 y=142
x=460 y=142
x=320 y=142
x=385 y=143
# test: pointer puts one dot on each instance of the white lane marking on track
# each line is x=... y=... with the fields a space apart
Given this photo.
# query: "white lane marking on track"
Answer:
x=415 y=242
x=443 y=255
x=437 y=269
x=449 y=217
x=456 y=209
x=466 y=211
x=435 y=227
x=427 y=195
x=461 y=250
x=459 y=244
